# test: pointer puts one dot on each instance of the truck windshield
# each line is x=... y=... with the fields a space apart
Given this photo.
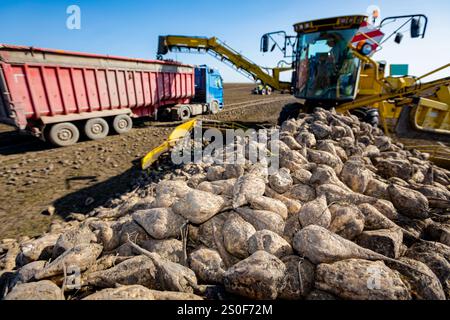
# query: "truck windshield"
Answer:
x=326 y=69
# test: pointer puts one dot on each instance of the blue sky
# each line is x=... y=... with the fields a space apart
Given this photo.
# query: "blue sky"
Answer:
x=130 y=28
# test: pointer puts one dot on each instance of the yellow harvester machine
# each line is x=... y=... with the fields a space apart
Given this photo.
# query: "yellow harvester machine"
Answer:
x=333 y=67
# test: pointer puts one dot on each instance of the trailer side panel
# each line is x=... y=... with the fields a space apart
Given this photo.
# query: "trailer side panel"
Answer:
x=41 y=84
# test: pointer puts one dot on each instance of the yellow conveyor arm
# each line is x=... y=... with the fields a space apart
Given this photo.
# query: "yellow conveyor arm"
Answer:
x=224 y=53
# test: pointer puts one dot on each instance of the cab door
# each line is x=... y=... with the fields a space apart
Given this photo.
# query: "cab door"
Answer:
x=215 y=88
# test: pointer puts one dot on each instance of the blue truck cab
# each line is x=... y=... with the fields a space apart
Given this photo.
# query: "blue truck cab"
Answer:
x=208 y=96
x=209 y=88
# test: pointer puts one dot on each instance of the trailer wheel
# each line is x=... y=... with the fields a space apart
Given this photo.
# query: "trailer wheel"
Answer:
x=184 y=113
x=122 y=123
x=214 y=107
x=63 y=134
x=96 y=128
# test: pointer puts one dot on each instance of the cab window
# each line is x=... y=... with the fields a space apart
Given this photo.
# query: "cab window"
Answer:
x=326 y=67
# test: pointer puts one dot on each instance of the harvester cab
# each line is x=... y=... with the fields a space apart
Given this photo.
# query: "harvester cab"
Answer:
x=326 y=70
x=328 y=67
x=332 y=64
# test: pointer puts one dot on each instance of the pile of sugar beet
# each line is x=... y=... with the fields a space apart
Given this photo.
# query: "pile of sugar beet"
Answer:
x=350 y=214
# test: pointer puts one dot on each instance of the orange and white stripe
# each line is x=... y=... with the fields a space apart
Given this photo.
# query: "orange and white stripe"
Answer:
x=369 y=34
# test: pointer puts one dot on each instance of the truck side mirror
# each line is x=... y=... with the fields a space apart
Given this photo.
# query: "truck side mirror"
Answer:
x=415 y=28
x=265 y=43
x=398 y=38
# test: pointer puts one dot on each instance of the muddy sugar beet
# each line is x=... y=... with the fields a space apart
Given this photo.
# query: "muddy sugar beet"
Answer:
x=350 y=214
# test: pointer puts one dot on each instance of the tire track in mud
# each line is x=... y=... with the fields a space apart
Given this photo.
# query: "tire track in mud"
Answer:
x=256 y=103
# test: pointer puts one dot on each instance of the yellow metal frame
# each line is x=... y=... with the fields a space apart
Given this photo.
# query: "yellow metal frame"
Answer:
x=432 y=116
x=386 y=88
x=334 y=22
x=388 y=94
x=395 y=94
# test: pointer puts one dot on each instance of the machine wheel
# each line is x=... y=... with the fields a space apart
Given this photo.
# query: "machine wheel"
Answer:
x=289 y=111
x=184 y=113
x=96 y=128
x=373 y=117
x=369 y=115
x=214 y=107
x=122 y=123
x=63 y=134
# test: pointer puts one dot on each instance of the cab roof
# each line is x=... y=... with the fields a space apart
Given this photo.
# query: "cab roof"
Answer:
x=334 y=23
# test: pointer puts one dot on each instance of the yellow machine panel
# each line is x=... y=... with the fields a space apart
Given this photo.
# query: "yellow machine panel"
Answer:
x=431 y=115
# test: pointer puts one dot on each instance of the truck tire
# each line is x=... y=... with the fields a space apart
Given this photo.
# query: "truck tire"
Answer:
x=63 y=134
x=214 y=107
x=122 y=123
x=96 y=128
x=184 y=113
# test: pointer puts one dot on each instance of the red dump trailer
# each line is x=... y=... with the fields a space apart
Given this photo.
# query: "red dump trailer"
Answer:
x=58 y=94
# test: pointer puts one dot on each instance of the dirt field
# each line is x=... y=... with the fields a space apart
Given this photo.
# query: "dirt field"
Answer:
x=34 y=176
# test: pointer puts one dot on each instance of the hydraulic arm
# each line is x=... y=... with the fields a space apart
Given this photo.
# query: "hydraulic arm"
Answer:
x=225 y=54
